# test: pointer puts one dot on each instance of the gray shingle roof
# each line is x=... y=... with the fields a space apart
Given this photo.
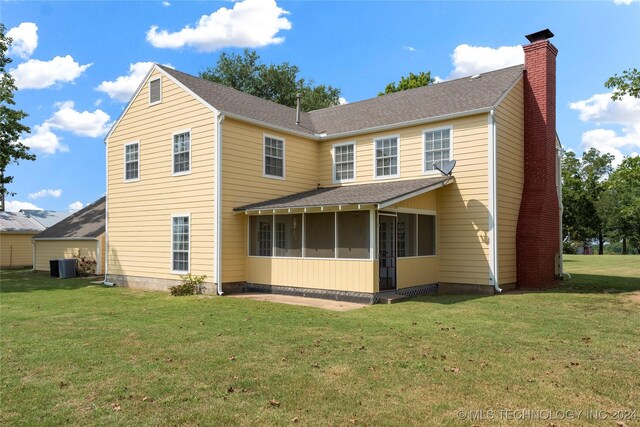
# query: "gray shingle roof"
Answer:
x=363 y=194
x=449 y=97
x=46 y=218
x=88 y=222
x=19 y=222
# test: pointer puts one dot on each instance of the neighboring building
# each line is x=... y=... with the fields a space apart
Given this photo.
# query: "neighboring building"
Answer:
x=81 y=234
x=16 y=231
x=343 y=202
x=46 y=218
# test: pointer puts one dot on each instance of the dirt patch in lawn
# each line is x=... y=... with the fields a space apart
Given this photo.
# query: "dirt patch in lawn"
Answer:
x=635 y=297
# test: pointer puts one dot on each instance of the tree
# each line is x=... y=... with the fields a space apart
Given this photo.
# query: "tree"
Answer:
x=11 y=151
x=584 y=182
x=411 y=82
x=626 y=84
x=620 y=203
x=278 y=83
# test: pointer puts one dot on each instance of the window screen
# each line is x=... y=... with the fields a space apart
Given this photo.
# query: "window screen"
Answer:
x=437 y=147
x=406 y=237
x=181 y=152
x=180 y=243
x=131 y=161
x=353 y=235
x=320 y=235
x=288 y=238
x=344 y=160
x=260 y=235
x=426 y=235
x=273 y=157
x=386 y=156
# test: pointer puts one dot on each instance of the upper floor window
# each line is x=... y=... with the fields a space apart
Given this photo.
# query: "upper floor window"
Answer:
x=155 y=91
x=132 y=161
x=273 y=157
x=387 y=158
x=344 y=163
x=181 y=152
x=437 y=147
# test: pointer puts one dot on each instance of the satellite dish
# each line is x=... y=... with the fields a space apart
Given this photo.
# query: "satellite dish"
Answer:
x=445 y=167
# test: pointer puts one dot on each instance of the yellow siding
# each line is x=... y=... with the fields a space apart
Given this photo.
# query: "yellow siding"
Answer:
x=417 y=271
x=339 y=275
x=424 y=202
x=16 y=250
x=58 y=249
x=243 y=183
x=510 y=179
x=140 y=212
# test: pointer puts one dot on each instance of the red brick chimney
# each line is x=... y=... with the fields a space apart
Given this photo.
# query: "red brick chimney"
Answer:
x=538 y=232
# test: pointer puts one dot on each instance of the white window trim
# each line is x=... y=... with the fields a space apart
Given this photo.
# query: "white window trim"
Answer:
x=375 y=159
x=124 y=173
x=149 y=90
x=424 y=143
x=173 y=158
x=179 y=215
x=333 y=154
x=264 y=155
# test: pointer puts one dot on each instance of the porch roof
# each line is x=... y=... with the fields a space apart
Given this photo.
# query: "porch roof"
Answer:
x=379 y=194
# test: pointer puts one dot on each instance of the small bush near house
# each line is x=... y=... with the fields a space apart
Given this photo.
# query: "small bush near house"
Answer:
x=190 y=285
x=86 y=266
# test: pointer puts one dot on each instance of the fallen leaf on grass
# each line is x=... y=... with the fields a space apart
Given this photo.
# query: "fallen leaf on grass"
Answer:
x=621 y=424
x=232 y=358
x=147 y=399
x=115 y=406
x=274 y=402
x=454 y=370
x=294 y=420
x=231 y=390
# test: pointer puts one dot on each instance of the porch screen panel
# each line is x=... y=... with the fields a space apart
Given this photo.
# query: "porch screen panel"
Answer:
x=261 y=235
x=288 y=235
x=320 y=235
x=353 y=235
x=406 y=235
x=426 y=235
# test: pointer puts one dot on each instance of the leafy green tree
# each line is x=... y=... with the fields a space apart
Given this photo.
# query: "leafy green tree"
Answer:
x=626 y=84
x=620 y=203
x=276 y=82
x=11 y=151
x=411 y=82
x=584 y=182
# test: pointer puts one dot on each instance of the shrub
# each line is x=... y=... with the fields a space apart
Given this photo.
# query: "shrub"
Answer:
x=190 y=285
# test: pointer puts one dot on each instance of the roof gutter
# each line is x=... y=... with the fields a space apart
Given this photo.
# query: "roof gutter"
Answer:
x=493 y=205
x=64 y=238
x=219 y=117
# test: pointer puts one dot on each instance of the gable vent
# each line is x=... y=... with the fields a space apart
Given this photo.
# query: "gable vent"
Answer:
x=155 y=91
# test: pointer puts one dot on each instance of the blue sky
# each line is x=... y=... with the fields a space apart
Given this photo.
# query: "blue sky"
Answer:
x=77 y=62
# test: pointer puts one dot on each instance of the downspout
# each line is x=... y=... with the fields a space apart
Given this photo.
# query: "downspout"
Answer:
x=560 y=205
x=218 y=205
x=33 y=252
x=493 y=205
x=106 y=217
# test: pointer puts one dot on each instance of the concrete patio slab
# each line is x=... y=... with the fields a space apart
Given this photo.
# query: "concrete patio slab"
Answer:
x=307 y=302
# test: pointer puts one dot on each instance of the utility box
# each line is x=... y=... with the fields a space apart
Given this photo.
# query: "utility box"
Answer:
x=53 y=268
x=67 y=268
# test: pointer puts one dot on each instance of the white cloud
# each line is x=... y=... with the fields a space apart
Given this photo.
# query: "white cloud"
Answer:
x=122 y=88
x=250 y=23
x=42 y=139
x=625 y=2
x=166 y=4
x=342 y=100
x=601 y=110
x=16 y=206
x=75 y=206
x=45 y=193
x=470 y=60
x=437 y=79
x=36 y=74
x=80 y=123
x=25 y=39
x=410 y=48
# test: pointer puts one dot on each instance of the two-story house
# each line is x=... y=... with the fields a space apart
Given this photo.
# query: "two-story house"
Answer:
x=343 y=202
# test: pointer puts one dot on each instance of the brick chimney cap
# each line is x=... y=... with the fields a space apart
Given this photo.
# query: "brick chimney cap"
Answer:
x=539 y=35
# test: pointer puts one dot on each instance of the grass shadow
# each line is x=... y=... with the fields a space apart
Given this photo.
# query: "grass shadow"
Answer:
x=447 y=299
x=598 y=284
x=28 y=281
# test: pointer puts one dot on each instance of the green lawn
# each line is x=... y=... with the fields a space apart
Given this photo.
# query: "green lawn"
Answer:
x=73 y=353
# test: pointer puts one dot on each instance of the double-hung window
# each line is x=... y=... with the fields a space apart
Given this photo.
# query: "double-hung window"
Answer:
x=180 y=243
x=387 y=158
x=181 y=152
x=344 y=162
x=437 y=147
x=132 y=161
x=273 y=157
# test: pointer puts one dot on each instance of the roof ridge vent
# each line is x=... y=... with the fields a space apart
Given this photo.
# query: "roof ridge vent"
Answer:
x=476 y=76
